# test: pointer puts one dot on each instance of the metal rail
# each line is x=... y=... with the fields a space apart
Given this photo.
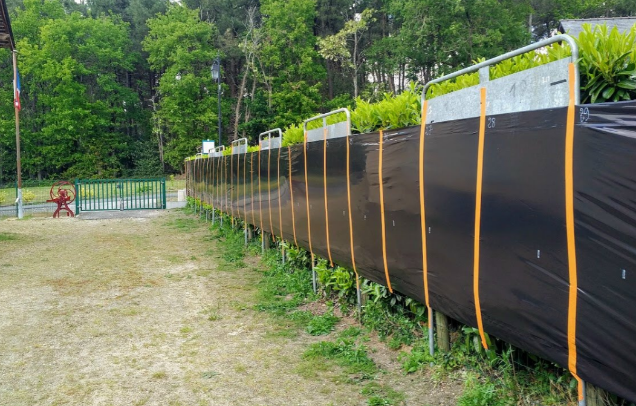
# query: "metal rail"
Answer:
x=218 y=151
x=557 y=38
x=239 y=146
x=324 y=120
x=270 y=138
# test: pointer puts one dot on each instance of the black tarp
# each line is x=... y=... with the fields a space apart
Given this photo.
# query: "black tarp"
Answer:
x=524 y=280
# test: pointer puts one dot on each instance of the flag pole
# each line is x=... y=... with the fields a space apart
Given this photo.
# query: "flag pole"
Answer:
x=17 y=134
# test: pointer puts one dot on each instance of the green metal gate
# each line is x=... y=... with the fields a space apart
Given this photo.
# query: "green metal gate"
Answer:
x=120 y=194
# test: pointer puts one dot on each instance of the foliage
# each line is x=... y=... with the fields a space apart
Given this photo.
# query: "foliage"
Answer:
x=28 y=196
x=382 y=395
x=608 y=64
x=76 y=108
x=391 y=112
x=293 y=135
x=321 y=325
x=338 y=281
x=481 y=394
x=114 y=89
x=3 y=197
x=180 y=48
x=348 y=351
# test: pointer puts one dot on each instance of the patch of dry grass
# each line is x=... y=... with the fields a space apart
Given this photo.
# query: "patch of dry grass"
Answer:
x=139 y=312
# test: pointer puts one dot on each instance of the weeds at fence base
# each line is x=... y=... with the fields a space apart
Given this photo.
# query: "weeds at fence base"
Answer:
x=506 y=376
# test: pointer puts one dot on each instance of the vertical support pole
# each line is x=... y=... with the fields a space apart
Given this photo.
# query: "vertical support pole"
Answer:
x=443 y=337
x=163 y=192
x=77 y=197
x=262 y=241
x=213 y=216
x=245 y=233
x=313 y=274
x=358 y=297
x=17 y=133
x=431 y=341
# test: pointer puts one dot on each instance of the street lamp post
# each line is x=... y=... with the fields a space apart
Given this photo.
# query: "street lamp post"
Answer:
x=216 y=75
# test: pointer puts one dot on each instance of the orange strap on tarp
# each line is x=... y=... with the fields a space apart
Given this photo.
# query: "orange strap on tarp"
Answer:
x=269 y=191
x=307 y=199
x=381 y=187
x=245 y=189
x=280 y=207
x=324 y=173
x=423 y=212
x=260 y=206
x=225 y=182
x=252 y=188
x=569 y=221
x=231 y=186
x=353 y=256
x=291 y=193
x=218 y=184
x=480 y=174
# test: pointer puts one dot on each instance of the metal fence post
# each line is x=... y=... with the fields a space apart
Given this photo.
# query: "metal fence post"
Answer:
x=163 y=192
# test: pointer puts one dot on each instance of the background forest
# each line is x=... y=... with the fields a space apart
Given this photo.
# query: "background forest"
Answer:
x=114 y=88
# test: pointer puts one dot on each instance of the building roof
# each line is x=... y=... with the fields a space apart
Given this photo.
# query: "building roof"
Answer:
x=574 y=27
x=6 y=35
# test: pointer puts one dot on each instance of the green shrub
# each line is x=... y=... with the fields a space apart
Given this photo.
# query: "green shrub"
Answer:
x=3 y=197
x=28 y=196
x=321 y=325
x=293 y=135
x=482 y=394
x=608 y=64
x=347 y=352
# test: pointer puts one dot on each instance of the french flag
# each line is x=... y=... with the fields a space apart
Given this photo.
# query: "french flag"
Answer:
x=16 y=100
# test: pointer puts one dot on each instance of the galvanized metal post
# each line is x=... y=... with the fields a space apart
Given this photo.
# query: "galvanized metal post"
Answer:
x=77 y=197
x=359 y=299
x=583 y=402
x=163 y=192
x=313 y=274
x=431 y=342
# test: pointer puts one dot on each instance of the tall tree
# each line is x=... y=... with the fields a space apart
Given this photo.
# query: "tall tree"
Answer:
x=77 y=109
x=180 y=51
x=344 y=46
x=291 y=67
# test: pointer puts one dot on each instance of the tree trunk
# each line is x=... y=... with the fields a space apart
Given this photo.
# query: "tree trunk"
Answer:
x=237 y=110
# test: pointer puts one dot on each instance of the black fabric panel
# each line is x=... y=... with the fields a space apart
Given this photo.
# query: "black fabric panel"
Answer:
x=605 y=214
x=523 y=282
x=339 y=237
x=365 y=206
x=400 y=175
x=316 y=192
x=450 y=175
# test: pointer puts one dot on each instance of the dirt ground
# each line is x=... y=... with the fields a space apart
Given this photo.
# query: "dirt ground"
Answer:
x=136 y=312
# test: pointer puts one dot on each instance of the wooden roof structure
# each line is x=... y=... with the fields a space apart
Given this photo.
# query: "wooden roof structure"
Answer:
x=6 y=34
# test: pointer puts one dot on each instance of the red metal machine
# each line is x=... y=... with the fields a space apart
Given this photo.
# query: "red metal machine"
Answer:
x=62 y=193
